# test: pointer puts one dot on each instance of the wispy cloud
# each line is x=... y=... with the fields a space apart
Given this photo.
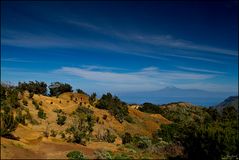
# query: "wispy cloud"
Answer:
x=150 y=78
x=199 y=70
x=157 y=40
x=106 y=68
x=16 y=60
x=130 y=44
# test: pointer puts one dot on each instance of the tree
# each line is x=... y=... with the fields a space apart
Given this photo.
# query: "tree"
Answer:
x=81 y=91
x=3 y=93
x=13 y=98
x=33 y=87
x=92 y=98
x=115 y=106
x=57 y=88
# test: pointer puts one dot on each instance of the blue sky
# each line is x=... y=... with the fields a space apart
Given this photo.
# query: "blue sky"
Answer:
x=121 y=46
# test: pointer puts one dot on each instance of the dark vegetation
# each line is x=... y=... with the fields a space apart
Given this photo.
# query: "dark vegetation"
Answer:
x=61 y=118
x=33 y=87
x=75 y=155
x=57 y=88
x=203 y=132
x=41 y=114
x=81 y=91
x=82 y=126
x=92 y=98
x=115 y=106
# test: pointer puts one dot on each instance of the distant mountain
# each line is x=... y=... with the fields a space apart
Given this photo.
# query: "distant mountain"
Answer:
x=230 y=101
x=173 y=94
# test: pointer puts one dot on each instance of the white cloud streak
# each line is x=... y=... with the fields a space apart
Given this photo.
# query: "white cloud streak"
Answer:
x=157 y=40
x=199 y=70
x=150 y=78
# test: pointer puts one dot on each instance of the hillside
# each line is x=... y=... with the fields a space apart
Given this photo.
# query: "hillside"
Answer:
x=230 y=101
x=33 y=143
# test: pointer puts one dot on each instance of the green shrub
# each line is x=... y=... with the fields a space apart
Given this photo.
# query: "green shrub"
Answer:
x=57 y=110
x=109 y=137
x=75 y=155
x=25 y=103
x=129 y=119
x=127 y=138
x=12 y=98
x=142 y=142
x=110 y=155
x=8 y=123
x=33 y=87
x=20 y=118
x=41 y=114
x=35 y=104
x=169 y=132
x=92 y=98
x=115 y=106
x=150 y=108
x=61 y=119
x=62 y=135
x=57 y=88
x=83 y=122
x=31 y=95
x=53 y=133
x=81 y=92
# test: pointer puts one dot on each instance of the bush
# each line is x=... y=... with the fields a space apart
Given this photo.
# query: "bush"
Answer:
x=107 y=136
x=61 y=119
x=8 y=123
x=141 y=142
x=109 y=155
x=62 y=135
x=169 y=132
x=83 y=122
x=57 y=110
x=25 y=103
x=57 y=88
x=12 y=98
x=127 y=138
x=41 y=114
x=20 y=118
x=35 y=104
x=75 y=155
x=150 y=108
x=33 y=87
x=81 y=91
x=53 y=133
x=31 y=95
x=92 y=98
x=129 y=119
x=115 y=106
